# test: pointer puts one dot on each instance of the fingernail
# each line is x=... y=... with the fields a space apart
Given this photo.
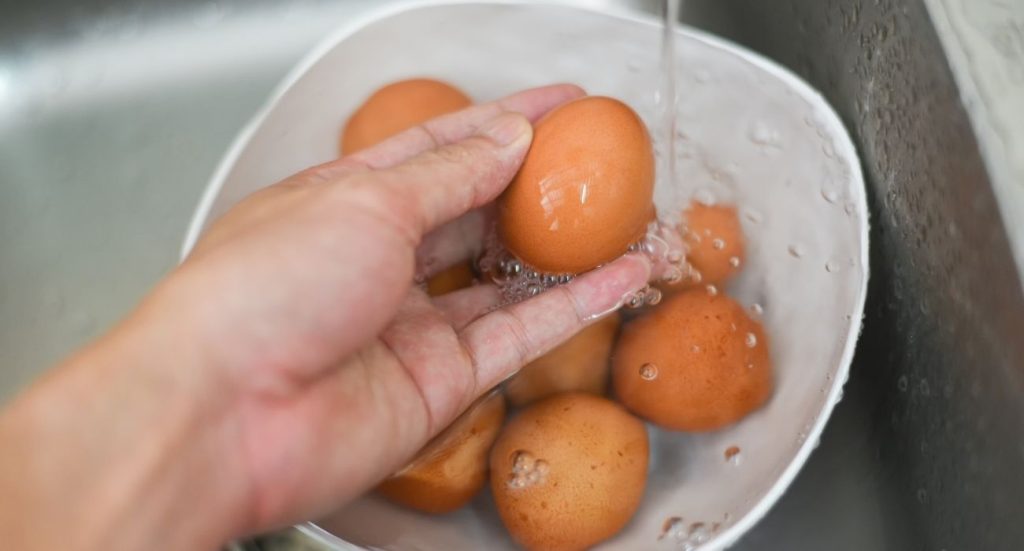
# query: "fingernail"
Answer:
x=507 y=129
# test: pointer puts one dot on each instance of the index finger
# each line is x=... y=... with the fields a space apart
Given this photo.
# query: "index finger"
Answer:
x=454 y=127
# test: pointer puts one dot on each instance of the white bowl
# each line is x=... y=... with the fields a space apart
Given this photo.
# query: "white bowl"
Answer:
x=756 y=135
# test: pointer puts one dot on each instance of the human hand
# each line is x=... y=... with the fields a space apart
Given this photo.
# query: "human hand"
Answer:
x=309 y=365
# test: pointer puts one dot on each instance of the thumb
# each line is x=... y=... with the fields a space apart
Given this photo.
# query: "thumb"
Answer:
x=444 y=183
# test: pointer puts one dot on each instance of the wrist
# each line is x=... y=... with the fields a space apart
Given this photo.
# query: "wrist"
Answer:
x=117 y=446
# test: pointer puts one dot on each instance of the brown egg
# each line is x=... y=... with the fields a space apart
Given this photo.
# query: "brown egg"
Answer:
x=579 y=364
x=569 y=471
x=584 y=192
x=397 y=107
x=452 y=467
x=452 y=279
x=696 y=362
x=714 y=241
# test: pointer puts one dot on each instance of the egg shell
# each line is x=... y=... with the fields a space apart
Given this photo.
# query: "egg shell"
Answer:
x=584 y=192
x=451 y=279
x=451 y=468
x=696 y=362
x=397 y=107
x=713 y=237
x=569 y=471
x=579 y=364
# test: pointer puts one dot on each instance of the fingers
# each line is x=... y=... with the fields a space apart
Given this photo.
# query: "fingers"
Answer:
x=503 y=341
x=466 y=305
x=442 y=184
x=458 y=126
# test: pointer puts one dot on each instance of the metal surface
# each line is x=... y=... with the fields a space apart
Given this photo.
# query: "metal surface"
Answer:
x=113 y=114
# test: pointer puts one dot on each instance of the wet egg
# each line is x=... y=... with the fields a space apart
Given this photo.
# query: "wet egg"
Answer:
x=579 y=364
x=451 y=279
x=451 y=468
x=397 y=107
x=696 y=362
x=584 y=192
x=569 y=471
x=714 y=241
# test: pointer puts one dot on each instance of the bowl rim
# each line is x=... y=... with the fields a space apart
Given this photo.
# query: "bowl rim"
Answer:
x=829 y=118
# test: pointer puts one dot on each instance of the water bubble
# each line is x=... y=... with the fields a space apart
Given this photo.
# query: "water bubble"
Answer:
x=732 y=455
x=718 y=243
x=902 y=384
x=549 y=280
x=672 y=275
x=796 y=250
x=712 y=290
x=648 y=372
x=922 y=495
x=750 y=340
x=924 y=387
x=675 y=256
x=637 y=299
x=564 y=278
x=527 y=470
x=734 y=261
x=653 y=296
x=531 y=274
x=533 y=289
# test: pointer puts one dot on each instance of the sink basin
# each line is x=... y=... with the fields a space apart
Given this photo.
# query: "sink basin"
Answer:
x=114 y=114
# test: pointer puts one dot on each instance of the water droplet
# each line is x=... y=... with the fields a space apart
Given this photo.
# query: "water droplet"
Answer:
x=750 y=365
x=830 y=195
x=704 y=196
x=717 y=243
x=673 y=526
x=902 y=384
x=750 y=340
x=695 y=349
x=753 y=216
x=831 y=266
x=675 y=257
x=732 y=455
x=648 y=372
x=757 y=309
x=924 y=388
x=828 y=150
x=850 y=207
x=796 y=250
x=734 y=261
x=712 y=290
x=764 y=136
x=922 y=495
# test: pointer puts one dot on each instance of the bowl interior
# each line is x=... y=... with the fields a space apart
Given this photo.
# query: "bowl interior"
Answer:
x=752 y=134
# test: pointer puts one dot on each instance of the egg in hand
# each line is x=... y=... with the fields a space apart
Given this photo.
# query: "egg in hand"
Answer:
x=584 y=193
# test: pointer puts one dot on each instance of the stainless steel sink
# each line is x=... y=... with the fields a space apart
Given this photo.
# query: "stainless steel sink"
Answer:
x=113 y=114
